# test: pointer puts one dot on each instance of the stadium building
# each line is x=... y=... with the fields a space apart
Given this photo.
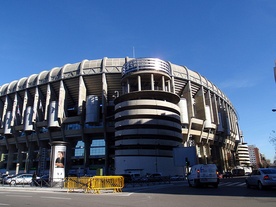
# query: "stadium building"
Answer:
x=122 y=115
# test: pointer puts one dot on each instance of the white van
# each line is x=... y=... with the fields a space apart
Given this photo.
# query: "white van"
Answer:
x=203 y=174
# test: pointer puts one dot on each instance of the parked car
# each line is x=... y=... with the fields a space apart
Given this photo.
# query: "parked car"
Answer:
x=6 y=177
x=127 y=178
x=203 y=174
x=238 y=172
x=19 y=179
x=262 y=178
x=227 y=175
x=2 y=178
x=154 y=177
x=177 y=177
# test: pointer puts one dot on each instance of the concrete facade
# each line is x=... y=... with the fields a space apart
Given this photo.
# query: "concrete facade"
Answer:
x=142 y=108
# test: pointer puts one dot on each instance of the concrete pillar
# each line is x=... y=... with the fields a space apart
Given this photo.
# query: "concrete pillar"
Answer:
x=152 y=82
x=128 y=86
x=139 y=82
x=169 y=85
x=87 y=145
x=163 y=84
x=23 y=157
x=12 y=150
x=31 y=157
x=70 y=150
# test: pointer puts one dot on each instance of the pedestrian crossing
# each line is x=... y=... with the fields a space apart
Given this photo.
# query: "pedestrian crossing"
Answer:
x=222 y=184
x=230 y=184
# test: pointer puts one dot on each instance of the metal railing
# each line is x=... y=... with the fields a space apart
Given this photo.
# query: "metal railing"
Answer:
x=95 y=184
x=146 y=64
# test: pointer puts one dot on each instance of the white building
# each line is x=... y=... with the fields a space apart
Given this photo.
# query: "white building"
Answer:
x=243 y=158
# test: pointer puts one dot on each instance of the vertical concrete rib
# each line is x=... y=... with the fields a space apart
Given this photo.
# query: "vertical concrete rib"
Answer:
x=48 y=98
x=104 y=110
x=61 y=101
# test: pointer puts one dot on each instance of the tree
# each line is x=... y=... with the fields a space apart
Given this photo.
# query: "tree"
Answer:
x=272 y=140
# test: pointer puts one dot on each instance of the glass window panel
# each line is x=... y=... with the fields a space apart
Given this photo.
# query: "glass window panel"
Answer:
x=79 y=149
x=97 y=147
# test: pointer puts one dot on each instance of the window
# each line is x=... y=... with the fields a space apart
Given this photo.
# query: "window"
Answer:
x=79 y=149
x=269 y=171
x=75 y=126
x=97 y=147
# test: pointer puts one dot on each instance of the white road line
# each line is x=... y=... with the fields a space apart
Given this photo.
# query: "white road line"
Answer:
x=231 y=184
x=21 y=196
x=4 y=204
x=221 y=184
x=60 y=198
x=117 y=194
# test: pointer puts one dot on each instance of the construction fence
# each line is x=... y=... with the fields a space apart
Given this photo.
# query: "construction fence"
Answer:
x=95 y=184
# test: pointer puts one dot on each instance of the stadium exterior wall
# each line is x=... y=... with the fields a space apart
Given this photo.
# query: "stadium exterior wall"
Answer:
x=142 y=108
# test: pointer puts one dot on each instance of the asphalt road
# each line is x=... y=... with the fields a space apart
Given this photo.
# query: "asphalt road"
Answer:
x=230 y=193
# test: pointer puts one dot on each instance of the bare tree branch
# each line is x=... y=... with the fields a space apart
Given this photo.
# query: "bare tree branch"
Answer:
x=272 y=140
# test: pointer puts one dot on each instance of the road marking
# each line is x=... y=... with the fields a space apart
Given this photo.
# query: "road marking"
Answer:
x=61 y=198
x=117 y=194
x=241 y=184
x=4 y=204
x=21 y=196
x=224 y=184
x=232 y=184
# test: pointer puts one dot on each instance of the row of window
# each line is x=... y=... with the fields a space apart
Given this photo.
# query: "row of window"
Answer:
x=97 y=148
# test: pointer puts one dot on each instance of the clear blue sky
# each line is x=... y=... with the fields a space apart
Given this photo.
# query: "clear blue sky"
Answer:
x=231 y=43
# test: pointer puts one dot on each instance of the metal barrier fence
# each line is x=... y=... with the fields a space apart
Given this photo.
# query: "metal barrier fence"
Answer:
x=115 y=183
x=96 y=183
x=72 y=183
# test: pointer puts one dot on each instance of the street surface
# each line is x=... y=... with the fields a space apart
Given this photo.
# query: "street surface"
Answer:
x=230 y=193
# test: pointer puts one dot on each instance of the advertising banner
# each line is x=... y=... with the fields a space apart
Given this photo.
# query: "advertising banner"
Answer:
x=58 y=162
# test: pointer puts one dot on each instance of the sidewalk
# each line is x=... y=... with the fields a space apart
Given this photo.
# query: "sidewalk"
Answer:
x=128 y=187
x=35 y=188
